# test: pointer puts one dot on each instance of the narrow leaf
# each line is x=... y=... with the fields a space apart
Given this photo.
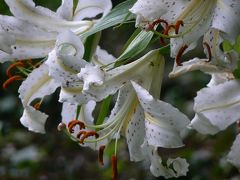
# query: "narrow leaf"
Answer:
x=116 y=16
x=137 y=45
x=104 y=110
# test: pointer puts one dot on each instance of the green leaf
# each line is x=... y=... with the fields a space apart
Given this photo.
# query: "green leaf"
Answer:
x=78 y=111
x=237 y=45
x=116 y=16
x=136 y=32
x=238 y=63
x=104 y=110
x=137 y=45
x=90 y=46
x=236 y=73
x=227 y=46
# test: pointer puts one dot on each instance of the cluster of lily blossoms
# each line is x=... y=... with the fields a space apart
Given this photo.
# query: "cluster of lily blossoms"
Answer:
x=133 y=87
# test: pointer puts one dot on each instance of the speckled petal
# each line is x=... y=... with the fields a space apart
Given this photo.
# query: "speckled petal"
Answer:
x=114 y=79
x=226 y=17
x=43 y=17
x=26 y=44
x=135 y=134
x=92 y=76
x=154 y=9
x=192 y=65
x=65 y=61
x=163 y=122
x=37 y=85
x=217 y=106
x=202 y=125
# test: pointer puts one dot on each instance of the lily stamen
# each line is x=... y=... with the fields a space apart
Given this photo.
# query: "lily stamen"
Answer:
x=150 y=26
x=166 y=33
x=12 y=66
x=73 y=123
x=205 y=44
x=114 y=167
x=38 y=104
x=100 y=154
x=179 y=54
x=82 y=135
x=238 y=127
x=11 y=80
x=178 y=24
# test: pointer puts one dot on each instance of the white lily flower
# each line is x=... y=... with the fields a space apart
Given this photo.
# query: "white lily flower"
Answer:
x=29 y=20
x=66 y=61
x=216 y=107
x=60 y=70
x=197 y=16
x=160 y=129
x=154 y=121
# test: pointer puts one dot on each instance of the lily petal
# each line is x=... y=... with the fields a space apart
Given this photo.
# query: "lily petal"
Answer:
x=163 y=122
x=33 y=120
x=152 y=10
x=226 y=17
x=65 y=11
x=7 y=40
x=90 y=9
x=218 y=105
x=27 y=44
x=99 y=84
x=102 y=57
x=174 y=168
x=37 y=85
x=65 y=61
x=44 y=18
x=192 y=65
x=92 y=76
x=135 y=134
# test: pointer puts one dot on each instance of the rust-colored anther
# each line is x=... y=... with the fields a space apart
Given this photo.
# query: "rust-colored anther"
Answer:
x=11 y=80
x=73 y=123
x=179 y=54
x=100 y=154
x=150 y=26
x=82 y=135
x=12 y=66
x=61 y=126
x=159 y=21
x=238 y=127
x=166 y=32
x=37 y=105
x=178 y=24
x=114 y=167
x=208 y=50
